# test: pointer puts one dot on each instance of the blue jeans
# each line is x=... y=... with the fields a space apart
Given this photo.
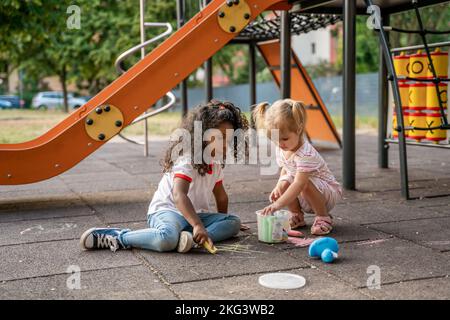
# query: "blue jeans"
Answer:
x=165 y=227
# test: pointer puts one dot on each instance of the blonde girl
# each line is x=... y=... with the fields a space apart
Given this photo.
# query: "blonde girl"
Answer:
x=306 y=184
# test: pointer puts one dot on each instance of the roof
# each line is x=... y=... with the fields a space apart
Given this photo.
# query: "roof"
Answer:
x=268 y=29
x=335 y=6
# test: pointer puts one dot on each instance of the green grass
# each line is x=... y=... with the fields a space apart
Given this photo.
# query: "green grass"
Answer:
x=24 y=125
x=361 y=122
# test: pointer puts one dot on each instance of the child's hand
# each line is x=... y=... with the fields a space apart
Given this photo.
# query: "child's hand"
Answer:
x=278 y=190
x=275 y=194
x=201 y=235
x=269 y=209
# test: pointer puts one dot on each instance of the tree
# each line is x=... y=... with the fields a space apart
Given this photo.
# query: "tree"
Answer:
x=44 y=45
x=24 y=27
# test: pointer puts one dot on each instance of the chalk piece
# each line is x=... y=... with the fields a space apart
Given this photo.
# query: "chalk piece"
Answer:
x=295 y=233
x=300 y=242
x=208 y=247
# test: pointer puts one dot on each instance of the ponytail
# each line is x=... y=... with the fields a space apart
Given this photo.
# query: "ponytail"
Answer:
x=299 y=114
x=258 y=114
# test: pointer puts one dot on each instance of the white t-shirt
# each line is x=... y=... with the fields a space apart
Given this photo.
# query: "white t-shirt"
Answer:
x=200 y=188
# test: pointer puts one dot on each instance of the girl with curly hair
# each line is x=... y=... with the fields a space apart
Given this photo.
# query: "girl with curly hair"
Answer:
x=179 y=213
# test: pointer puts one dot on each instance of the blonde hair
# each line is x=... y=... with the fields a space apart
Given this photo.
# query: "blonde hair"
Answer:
x=286 y=114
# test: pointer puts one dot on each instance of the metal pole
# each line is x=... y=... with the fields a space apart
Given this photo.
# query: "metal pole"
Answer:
x=20 y=87
x=421 y=46
x=208 y=71
x=208 y=80
x=348 y=161
x=383 y=106
x=285 y=55
x=142 y=28
x=252 y=72
x=398 y=108
x=252 y=79
x=183 y=84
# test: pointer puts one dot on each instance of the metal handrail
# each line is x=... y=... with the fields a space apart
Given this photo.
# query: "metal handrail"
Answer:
x=160 y=109
x=150 y=114
x=129 y=52
x=121 y=70
x=421 y=46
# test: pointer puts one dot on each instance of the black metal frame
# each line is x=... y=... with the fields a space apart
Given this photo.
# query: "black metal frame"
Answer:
x=269 y=29
x=386 y=64
x=335 y=6
x=181 y=19
x=280 y=27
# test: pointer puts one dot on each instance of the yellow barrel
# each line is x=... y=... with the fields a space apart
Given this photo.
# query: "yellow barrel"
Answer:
x=436 y=135
x=406 y=121
x=417 y=96
x=418 y=65
x=440 y=63
x=394 y=125
x=432 y=97
x=417 y=119
x=401 y=65
x=403 y=88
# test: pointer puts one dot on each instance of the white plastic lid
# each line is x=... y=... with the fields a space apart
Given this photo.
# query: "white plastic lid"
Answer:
x=282 y=281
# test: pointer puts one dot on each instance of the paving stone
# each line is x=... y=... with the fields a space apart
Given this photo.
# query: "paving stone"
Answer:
x=19 y=232
x=433 y=233
x=134 y=282
x=39 y=194
x=54 y=257
x=110 y=184
x=319 y=285
x=91 y=164
x=199 y=264
x=122 y=212
x=92 y=177
x=141 y=166
x=398 y=260
x=53 y=183
x=435 y=289
x=43 y=210
x=382 y=211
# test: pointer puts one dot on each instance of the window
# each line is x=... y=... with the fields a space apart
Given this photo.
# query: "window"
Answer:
x=313 y=48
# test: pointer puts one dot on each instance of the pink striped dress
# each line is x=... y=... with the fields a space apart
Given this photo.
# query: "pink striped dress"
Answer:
x=307 y=159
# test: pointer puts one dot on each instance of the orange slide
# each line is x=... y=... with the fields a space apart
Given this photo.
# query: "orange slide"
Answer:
x=116 y=106
x=319 y=126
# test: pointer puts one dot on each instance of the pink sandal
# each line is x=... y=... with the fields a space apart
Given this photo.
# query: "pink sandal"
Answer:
x=322 y=226
x=297 y=220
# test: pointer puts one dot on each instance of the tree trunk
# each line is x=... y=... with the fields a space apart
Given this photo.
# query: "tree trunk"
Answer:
x=62 y=78
x=5 y=77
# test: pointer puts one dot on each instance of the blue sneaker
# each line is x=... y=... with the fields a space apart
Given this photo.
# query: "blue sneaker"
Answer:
x=102 y=238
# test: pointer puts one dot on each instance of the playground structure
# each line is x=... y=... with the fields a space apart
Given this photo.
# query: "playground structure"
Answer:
x=264 y=35
x=128 y=97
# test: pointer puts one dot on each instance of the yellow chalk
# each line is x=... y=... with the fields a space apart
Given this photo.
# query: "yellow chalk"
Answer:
x=211 y=249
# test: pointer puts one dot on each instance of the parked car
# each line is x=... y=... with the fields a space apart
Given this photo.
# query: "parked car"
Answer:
x=55 y=99
x=84 y=99
x=15 y=101
x=5 y=104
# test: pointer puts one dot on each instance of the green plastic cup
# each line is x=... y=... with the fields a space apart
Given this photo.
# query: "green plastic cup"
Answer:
x=273 y=228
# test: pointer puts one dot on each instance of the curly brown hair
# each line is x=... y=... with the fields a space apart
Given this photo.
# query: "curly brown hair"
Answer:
x=211 y=115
